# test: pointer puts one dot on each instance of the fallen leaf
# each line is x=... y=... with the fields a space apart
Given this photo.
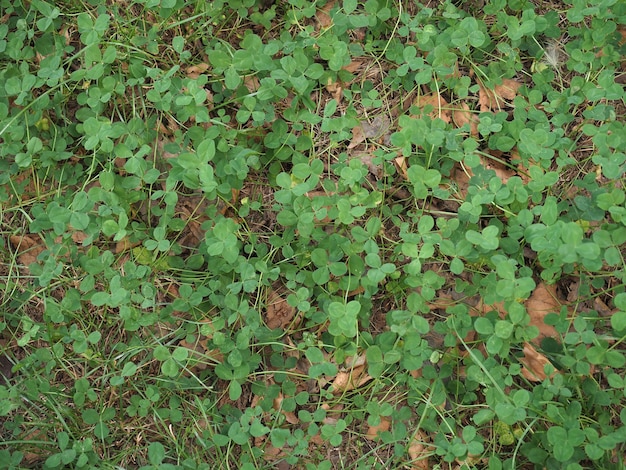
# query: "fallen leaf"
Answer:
x=27 y=247
x=323 y=15
x=534 y=364
x=278 y=313
x=502 y=171
x=542 y=302
x=194 y=71
x=377 y=128
x=373 y=431
x=350 y=379
x=252 y=83
x=290 y=416
x=353 y=66
x=464 y=115
x=79 y=236
x=496 y=98
x=369 y=130
x=333 y=413
x=461 y=176
x=358 y=137
x=368 y=159
x=402 y=167
x=418 y=451
x=335 y=89
x=438 y=103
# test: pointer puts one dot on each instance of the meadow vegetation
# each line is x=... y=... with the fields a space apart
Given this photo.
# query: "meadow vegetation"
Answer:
x=312 y=234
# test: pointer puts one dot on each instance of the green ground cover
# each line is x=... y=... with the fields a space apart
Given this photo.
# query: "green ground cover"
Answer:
x=312 y=235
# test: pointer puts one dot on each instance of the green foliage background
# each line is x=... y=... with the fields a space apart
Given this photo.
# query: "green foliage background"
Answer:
x=128 y=128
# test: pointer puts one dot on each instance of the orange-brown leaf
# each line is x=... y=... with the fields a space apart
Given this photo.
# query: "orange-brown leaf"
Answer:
x=534 y=364
x=542 y=302
x=278 y=313
x=28 y=248
x=438 y=103
x=323 y=15
x=418 y=451
x=464 y=115
x=350 y=379
x=496 y=98
x=373 y=431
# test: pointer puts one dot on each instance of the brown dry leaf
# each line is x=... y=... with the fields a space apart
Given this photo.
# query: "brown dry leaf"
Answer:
x=418 y=451
x=401 y=166
x=377 y=128
x=125 y=244
x=368 y=159
x=483 y=309
x=289 y=415
x=353 y=66
x=335 y=89
x=323 y=15
x=495 y=99
x=79 y=236
x=438 y=103
x=333 y=413
x=463 y=116
x=373 y=431
x=252 y=83
x=502 y=171
x=28 y=248
x=270 y=453
x=358 y=137
x=542 y=302
x=350 y=379
x=369 y=130
x=461 y=176
x=194 y=71
x=534 y=363
x=278 y=313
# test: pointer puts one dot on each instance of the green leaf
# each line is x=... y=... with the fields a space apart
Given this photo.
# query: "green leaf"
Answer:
x=234 y=390
x=503 y=329
x=130 y=368
x=170 y=368
x=483 y=326
x=156 y=453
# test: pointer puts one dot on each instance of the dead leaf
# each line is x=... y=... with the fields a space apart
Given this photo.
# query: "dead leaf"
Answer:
x=373 y=431
x=335 y=89
x=353 y=66
x=194 y=71
x=358 y=137
x=79 y=236
x=323 y=15
x=252 y=83
x=350 y=379
x=278 y=314
x=463 y=116
x=125 y=244
x=377 y=128
x=28 y=248
x=368 y=159
x=495 y=99
x=401 y=166
x=333 y=413
x=502 y=171
x=542 y=302
x=418 y=451
x=534 y=364
x=290 y=416
x=369 y=130
x=438 y=103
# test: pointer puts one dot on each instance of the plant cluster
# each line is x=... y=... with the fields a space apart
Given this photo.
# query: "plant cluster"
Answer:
x=312 y=233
